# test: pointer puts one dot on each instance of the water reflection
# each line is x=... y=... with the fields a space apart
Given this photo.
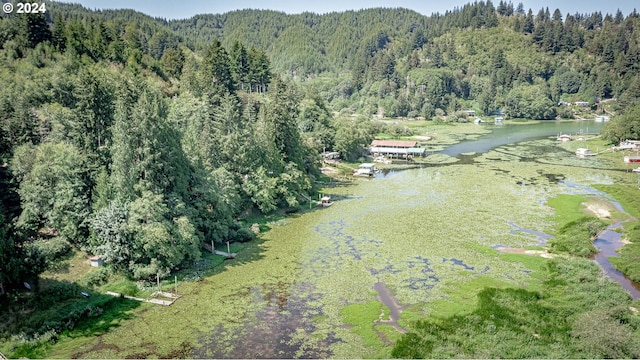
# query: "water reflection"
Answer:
x=607 y=243
x=511 y=134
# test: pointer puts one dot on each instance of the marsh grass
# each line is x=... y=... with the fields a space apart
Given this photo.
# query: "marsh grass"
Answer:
x=629 y=260
x=576 y=237
x=519 y=323
x=360 y=317
x=625 y=194
x=568 y=207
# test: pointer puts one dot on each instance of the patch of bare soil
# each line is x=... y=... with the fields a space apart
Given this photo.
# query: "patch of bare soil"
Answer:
x=422 y=138
x=598 y=210
x=603 y=209
x=541 y=253
x=327 y=170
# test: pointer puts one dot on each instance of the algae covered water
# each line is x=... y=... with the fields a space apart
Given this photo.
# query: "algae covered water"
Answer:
x=347 y=280
x=417 y=232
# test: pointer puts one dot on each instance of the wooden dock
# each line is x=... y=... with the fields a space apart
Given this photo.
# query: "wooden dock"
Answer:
x=225 y=254
x=153 y=300
x=209 y=248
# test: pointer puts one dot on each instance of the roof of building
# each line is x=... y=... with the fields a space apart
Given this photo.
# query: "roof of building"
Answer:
x=394 y=143
x=395 y=150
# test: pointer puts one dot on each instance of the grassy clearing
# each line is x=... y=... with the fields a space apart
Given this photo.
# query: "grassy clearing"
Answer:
x=568 y=208
x=360 y=317
x=73 y=268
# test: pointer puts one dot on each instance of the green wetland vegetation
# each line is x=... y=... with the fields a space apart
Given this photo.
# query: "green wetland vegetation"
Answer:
x=147 y=141
x=306 y=286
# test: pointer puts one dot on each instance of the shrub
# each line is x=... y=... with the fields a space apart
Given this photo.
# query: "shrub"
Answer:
x=53 y=249
x=575 y=237
x=24 y=346
x=604 y=336
x=565 y=112
x=244 y=235
x=57 y=292
x=97 y=277
x=400 y=130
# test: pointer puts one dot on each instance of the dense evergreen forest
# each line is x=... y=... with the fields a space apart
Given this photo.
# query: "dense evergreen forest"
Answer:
x=396 y=62
x=139 y=138
x=119 y=140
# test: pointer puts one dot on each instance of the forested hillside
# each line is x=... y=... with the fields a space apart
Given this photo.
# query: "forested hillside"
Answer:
x=139 y=139
x=117 y=139
x=395 y=62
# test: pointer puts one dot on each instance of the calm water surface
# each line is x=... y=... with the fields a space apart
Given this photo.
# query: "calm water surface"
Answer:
x=513 y=133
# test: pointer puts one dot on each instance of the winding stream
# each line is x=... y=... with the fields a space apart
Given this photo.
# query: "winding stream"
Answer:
x=607 y=243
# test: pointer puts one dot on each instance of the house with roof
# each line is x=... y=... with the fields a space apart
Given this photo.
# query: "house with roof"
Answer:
x=396 y=148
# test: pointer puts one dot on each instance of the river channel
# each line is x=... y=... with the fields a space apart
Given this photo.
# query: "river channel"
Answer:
x=406 y=239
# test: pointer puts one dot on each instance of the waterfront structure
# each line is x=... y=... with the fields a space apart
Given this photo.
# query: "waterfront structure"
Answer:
x=325 y=201
x=366 y=169
x=395 y=148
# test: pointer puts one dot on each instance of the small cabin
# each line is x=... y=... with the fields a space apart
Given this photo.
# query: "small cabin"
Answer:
x=96 y=261
x=470 y=113
x=582 y=103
